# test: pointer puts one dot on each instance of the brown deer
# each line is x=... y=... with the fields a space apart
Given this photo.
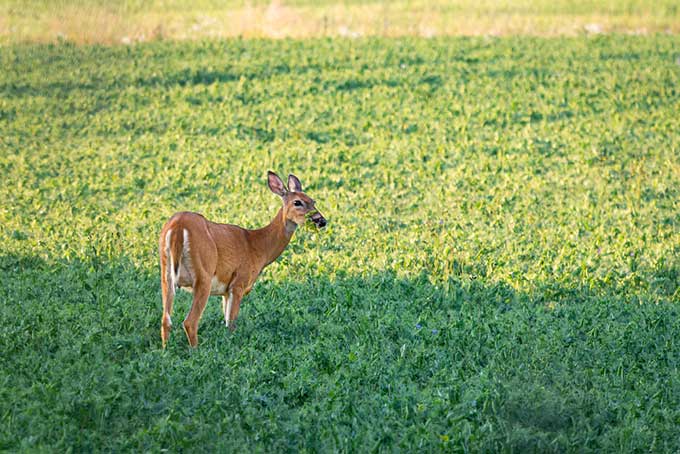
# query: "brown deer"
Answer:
x=221 y=259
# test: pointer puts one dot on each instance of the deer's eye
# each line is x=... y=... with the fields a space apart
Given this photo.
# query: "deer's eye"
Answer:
x=297 y=203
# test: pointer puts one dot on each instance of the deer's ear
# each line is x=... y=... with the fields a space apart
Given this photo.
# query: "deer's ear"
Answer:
x=294 y=184
x=276 y=184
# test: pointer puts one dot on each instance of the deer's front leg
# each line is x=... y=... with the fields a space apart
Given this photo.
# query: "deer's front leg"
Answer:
x=227 y=302
x=233 y=303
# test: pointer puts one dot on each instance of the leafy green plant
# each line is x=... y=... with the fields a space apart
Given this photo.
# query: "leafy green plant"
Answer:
x=500 y=269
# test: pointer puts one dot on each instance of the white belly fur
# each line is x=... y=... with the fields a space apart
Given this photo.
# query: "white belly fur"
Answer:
x=217 y=287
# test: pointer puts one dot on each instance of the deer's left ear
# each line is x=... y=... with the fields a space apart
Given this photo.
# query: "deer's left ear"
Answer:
x=294 y=184
x=276 y=184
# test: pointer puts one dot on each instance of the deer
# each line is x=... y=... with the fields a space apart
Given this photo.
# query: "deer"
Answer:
x=208 y=258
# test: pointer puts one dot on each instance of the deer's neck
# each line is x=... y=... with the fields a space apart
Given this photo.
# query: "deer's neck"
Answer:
x=270 y=241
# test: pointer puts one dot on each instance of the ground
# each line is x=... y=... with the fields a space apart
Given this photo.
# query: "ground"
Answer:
x=500 y=270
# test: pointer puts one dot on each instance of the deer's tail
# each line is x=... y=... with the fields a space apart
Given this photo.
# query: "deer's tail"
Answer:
x=174 y=243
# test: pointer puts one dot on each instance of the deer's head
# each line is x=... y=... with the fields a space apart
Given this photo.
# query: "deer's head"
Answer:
x=297 y=206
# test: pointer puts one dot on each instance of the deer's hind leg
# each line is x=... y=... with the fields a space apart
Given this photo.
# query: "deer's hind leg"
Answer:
x=199 y=260
x=201 y=291
x=167 y=285
x=168 y=296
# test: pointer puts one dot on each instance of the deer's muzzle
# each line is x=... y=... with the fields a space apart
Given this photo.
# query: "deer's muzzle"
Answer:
x=317 y=218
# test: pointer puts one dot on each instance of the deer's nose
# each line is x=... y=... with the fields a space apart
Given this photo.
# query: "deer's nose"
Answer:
x=318 y=219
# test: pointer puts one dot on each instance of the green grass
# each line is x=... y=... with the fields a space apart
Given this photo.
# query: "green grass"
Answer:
x=501 y=270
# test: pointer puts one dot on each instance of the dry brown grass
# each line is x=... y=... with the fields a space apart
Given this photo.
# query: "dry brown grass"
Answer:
x=101 y=23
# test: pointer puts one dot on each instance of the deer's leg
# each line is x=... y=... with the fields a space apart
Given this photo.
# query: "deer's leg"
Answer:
x=168 y=296
x=201 y=293
x=227 y=302
x=167 y=285
x=235 y=297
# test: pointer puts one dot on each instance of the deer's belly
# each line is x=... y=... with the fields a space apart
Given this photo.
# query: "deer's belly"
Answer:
x=186 y=278
x=217 y=287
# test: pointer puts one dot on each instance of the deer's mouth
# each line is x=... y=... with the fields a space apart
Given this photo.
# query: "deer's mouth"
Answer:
x=317 y=218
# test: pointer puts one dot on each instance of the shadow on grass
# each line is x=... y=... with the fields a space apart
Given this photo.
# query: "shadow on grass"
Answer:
x=379 y=360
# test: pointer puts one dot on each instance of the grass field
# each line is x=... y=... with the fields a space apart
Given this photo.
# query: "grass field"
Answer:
x=128 y=21
x=501 y=270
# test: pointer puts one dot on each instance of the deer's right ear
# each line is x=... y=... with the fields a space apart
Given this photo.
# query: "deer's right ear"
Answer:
x=276 y=184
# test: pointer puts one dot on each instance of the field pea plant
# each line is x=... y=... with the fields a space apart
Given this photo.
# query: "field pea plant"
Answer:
x=500 y=271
